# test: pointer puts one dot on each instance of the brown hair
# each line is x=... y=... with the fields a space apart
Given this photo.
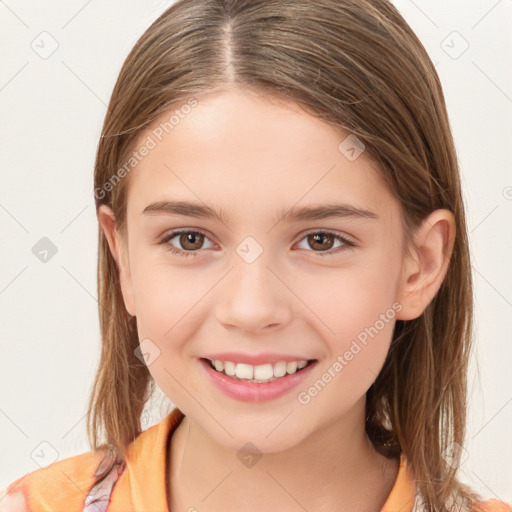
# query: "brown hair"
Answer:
x=357 y=65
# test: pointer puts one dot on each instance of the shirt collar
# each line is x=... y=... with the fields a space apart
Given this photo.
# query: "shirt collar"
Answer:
x=146 y=464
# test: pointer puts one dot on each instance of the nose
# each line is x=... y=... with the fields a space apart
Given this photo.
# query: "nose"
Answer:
x=253 y=297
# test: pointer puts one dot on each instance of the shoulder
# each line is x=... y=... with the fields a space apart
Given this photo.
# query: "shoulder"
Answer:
x=492 y=505
x=14 y=502
x=62 y=485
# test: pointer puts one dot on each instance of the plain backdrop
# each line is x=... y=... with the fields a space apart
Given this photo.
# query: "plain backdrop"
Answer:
x=59 y=62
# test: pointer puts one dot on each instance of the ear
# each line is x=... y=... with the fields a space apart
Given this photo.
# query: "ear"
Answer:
x=118 y=248
x=425 y=268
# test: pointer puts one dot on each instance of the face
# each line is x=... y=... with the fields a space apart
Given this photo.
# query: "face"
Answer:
x=257 y=287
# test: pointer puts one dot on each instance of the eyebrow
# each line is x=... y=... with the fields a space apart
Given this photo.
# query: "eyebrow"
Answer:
x=312 y=212
x=184 y=208
x=325 y=211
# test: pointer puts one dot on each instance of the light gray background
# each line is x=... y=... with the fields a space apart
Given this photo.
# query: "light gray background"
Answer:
x=51 y=114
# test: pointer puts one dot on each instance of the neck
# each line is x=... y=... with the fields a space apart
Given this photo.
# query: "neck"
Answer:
x=336 y=469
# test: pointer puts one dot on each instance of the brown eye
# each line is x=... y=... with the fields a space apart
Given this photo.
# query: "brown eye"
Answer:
x=321 y=241
x=324 y=243
x=191 y=241
x=184 y=243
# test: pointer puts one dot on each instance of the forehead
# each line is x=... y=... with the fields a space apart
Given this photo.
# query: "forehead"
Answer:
x=246 y=152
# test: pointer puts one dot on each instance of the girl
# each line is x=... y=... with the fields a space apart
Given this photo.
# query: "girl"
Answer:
x=283 y=251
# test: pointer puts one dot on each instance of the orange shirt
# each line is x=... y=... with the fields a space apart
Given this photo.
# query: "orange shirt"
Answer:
x=140 y=484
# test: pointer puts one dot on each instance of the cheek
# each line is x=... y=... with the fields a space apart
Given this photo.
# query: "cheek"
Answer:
x=164 y=292
x=362 y=318
x=356 y=311
x=348 y=300
x=168 y=300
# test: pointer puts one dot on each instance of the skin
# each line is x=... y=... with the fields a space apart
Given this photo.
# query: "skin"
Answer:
x=252 y=155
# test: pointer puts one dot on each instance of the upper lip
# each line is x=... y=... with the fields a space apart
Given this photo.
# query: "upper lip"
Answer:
x=254 y=359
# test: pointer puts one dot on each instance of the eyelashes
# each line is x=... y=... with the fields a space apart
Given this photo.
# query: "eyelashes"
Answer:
x=181 y=252
x=322 y=235
x=318 y=237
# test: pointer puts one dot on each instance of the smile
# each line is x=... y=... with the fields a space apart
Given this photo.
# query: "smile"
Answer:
x=261 y=373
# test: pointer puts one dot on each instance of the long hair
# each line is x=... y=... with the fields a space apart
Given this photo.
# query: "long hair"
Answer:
x=357 y=65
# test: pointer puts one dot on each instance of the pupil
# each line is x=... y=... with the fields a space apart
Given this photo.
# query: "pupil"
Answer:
x=190 y=238
x=321 y=239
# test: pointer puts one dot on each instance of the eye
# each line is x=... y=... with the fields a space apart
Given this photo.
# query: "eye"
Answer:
x=325 y=240
x=190 y=242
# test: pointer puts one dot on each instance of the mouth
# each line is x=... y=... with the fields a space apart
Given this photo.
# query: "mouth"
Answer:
x=258 y=374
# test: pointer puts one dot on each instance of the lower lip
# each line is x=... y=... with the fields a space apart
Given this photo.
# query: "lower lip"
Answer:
x=252 y=391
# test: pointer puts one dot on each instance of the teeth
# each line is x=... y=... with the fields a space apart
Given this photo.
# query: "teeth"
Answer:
x=279 y=369
x=262 y=373
x=244 y=371
x=291 y=367
x=229 y=368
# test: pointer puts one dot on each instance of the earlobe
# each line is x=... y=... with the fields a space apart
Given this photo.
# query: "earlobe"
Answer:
x=118 y=250
x=424 y=269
